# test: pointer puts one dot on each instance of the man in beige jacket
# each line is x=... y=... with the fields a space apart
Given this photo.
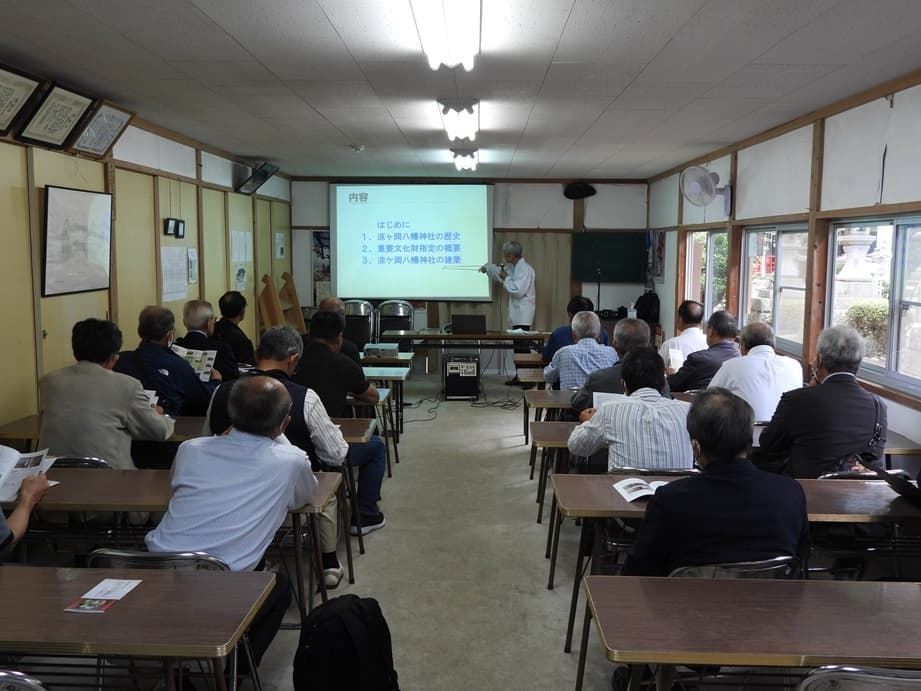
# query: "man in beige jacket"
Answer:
x=89 y=410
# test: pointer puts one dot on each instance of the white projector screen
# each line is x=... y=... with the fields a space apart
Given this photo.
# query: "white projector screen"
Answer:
x=416 y=242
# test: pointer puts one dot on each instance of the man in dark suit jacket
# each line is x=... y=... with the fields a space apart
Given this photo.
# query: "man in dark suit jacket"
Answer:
x=628 y=335
x=732 y=511
x=233 y=308
x=700 y=367
x=198 y=317
x=818 y=425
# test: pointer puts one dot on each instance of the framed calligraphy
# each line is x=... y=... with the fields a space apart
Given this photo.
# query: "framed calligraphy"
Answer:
x=16 y=90
x=56 y=117
x=102 y=130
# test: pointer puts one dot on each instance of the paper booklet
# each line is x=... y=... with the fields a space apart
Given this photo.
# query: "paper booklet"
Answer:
x=599 y=398
x=633 y=488
x=675 y=358
x=102 y=596
x=202 y=361
x=15 y=466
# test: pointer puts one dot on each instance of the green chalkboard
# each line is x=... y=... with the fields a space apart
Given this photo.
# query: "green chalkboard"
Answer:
x=609 y=257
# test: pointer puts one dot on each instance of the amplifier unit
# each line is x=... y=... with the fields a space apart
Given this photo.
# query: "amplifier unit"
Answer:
x=461 y=377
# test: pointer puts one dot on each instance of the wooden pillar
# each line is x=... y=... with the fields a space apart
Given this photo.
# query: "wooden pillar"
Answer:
x=817 y=258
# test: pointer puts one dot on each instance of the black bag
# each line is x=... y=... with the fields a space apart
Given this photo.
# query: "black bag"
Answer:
x=345 y=646
x=647 y=307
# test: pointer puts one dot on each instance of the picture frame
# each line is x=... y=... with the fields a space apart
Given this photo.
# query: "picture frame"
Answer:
x=76 y=248
x=102 y=129
x=17 y=89
x=180 y=228
x=169 y=226
x=58 y=114
x=658 y=256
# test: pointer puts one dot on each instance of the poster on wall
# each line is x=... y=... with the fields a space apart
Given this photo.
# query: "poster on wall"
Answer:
x=173 y=273
x=280 y=250
x=658 y=256
x=78 y=226
x=322 y=286
x=16 y=89
x=193 y=264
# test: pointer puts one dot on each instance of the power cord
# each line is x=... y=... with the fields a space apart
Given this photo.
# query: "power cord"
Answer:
x=431 y=412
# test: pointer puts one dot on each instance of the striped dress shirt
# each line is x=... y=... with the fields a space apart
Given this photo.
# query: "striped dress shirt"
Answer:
x=572 y=364
x=642 y=430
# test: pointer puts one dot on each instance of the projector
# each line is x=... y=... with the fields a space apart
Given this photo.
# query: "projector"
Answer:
x=381 y=349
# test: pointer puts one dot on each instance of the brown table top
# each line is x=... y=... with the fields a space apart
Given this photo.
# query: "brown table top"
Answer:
x=527 y=359
x=187 y=427
x=827 y=501
x=756 y=622
x=27 y=428
x=529 y=375
x=488 y=336
x=551 y=435
x=356 y=430
x=190 y=614
x=548 y=398
x=328 y=484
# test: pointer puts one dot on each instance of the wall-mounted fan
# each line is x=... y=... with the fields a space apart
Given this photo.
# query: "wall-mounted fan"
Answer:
x=701 y=186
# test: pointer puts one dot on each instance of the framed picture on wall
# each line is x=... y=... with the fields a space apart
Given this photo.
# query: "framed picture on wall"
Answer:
x=180 y=228
x=78 y=232
x=102 y=129
x=658 y=256
x=60 y=111
x=169 y=226
x=16 y=90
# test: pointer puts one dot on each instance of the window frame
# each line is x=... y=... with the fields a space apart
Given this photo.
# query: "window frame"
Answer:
x=784 y=345
x=888 y=377
x=708 y=284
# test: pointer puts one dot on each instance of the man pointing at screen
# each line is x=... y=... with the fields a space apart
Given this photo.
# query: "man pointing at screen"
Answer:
x=517 y=277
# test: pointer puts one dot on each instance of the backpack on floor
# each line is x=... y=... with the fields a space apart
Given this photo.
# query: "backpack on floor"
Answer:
x=647 y=307
x=345 y=645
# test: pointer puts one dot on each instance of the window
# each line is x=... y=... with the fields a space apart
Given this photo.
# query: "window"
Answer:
x=876 y=288
x=774 y=291
x=708 y=252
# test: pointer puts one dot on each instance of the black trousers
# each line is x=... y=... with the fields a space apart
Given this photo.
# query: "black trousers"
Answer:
x=267 y=620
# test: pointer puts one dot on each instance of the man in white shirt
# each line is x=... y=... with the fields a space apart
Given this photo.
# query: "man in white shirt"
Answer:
x=572 y=364
x=642 y=429
x=691 y=336
x=232 y=492
x=760 y=376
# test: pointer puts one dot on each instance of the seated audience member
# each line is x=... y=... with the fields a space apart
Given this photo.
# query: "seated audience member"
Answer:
x=572 y=364
x=731 y=512
x=310 y=428
x=816 y=426
x=14 y=526
x=760 y=376
x=642 y=429
x=232 y=492
x=333 y=376
x=348 y=348
x=691 y=336
x=89 y=410
x=628 y=335
x=700 y=367
x=562 y=335
x=198 y=317
x=179 y=389
x=232 y=305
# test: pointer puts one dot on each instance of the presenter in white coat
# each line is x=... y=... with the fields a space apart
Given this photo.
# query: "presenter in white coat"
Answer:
x=517 y=277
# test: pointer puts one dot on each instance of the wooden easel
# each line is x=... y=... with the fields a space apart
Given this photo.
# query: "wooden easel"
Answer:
x=273 y=312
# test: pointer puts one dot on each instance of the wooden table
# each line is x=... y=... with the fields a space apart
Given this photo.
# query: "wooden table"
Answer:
x=329 y=485
x=398 y=360
x=550 y=400
x=744 y=622
x=355 y=431
x=528 y=360
x=394 y=376
x=593 y=499
x=551 y=438
x=383 y=410
x=489 y=340
x=529 y=375
x=28 y=429
x=171 y=614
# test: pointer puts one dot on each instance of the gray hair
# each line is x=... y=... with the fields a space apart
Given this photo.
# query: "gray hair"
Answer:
x=721 y=423
x=196 y=313
x=280 y=343
x=756 y=334
x=258 y=405
x=841 y=349
x=723 y=324
x=630 y=334
x=586 y=325
x=512 y=247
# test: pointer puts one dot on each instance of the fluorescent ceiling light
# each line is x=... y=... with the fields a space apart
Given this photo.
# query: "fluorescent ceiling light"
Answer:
x=466 y=159
x=449 y=31
x=460 y=121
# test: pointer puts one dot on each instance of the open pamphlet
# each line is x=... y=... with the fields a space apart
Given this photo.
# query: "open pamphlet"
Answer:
x=675 y=358
x=202 y=361
x=633 y=488
x=599 y=398
x=15 y=467
x=515 y=332
x=151 y=396
x=103 y=595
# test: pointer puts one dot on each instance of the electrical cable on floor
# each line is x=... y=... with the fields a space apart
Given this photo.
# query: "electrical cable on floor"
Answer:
x=432 y=412
x=508 y=403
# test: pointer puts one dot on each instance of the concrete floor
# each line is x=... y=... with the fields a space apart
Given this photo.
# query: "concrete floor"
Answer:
x=459 y=569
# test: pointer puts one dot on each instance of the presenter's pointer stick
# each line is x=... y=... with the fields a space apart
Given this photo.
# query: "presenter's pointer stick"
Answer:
x=461 y=268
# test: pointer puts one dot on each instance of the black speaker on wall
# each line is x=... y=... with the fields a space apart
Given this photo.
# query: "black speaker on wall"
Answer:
x=578 y=190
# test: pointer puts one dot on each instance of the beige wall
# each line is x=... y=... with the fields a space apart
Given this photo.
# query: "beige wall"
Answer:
x=240 y=220
x=176 y=199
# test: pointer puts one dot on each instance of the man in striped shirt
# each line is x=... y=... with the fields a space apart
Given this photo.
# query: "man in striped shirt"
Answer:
x=642 y=429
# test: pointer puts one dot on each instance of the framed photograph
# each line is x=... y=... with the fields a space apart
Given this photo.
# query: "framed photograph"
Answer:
x=56 y=117
x=102 y=129
x=78 y=232
x=658 y=256
x=16 y=90
x=169 y=226
x=180 y=228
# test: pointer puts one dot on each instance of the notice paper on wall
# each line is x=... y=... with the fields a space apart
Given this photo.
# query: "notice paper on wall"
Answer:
x=280 y=250
x=241 y=247
x=175 y=271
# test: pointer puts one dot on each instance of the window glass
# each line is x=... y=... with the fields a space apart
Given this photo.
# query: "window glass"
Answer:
x=707 y=257
x=775 y=281
x=697 y=267
x=909 y=316
x=791 y=287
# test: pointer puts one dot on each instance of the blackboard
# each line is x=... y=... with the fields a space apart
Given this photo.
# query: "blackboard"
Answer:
x=609 y=257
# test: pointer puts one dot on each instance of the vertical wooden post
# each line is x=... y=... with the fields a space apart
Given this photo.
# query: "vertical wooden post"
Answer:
x=817 y=252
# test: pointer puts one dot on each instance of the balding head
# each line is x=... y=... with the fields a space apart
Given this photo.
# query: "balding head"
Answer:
x=259 y=405
x=755 y=334
x=331 y=304
x=156 y=324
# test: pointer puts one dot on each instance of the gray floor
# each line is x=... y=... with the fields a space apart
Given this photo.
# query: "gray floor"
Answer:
x=459 y=570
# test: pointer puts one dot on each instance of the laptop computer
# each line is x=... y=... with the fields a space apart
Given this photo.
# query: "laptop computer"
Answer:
x=468 y=323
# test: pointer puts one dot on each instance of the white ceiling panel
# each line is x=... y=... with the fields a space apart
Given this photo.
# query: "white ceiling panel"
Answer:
x=589 y=78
